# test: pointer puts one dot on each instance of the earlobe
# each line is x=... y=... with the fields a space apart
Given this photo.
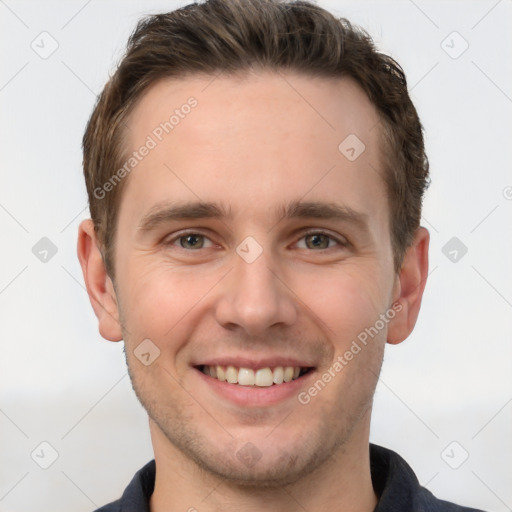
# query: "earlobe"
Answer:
x=99 y=285
x=410 y=287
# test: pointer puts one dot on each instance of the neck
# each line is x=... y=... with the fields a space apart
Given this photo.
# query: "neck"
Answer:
x=342 y=483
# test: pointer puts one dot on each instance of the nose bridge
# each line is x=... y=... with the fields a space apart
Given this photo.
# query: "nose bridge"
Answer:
x=255 y=280
x=253 y=296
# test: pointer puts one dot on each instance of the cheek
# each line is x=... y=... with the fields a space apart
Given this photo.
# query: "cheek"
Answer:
x=160 y=303
x=347 y=300
x=350 y=303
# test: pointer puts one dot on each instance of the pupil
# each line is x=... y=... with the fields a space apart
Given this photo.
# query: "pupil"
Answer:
x=191 y=241
x=318 y=241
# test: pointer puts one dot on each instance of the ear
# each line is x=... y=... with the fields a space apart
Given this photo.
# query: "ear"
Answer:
x=409 y=288
x=99 y=285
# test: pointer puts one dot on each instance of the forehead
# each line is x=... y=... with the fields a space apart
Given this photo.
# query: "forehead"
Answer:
x=270 y=137
x=266 y=102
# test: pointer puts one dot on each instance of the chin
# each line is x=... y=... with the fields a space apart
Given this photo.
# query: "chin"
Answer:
x=270 y=471
x=260 y=463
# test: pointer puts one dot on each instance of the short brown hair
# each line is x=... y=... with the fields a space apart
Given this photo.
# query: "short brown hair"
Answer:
x=232 y=36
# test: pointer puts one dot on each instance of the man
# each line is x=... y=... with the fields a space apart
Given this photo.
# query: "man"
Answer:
x=255 y=172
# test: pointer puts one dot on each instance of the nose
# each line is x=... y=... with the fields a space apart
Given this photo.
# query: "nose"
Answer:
x=255 y=298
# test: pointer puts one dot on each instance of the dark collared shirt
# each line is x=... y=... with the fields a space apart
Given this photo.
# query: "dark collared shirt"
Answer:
x=393 y=481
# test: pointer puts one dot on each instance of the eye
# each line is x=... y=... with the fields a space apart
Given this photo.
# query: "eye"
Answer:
x=318 y=241
x=192 y=241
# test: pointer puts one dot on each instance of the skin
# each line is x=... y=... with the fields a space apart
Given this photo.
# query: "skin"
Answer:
x=254 y=145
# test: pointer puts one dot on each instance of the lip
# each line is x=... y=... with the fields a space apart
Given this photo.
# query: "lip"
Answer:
x=254 y=396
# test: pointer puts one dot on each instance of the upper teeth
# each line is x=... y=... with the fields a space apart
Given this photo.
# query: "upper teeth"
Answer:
x=263 y=377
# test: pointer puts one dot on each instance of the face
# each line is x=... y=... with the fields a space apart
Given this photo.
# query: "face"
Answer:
x=248 y=243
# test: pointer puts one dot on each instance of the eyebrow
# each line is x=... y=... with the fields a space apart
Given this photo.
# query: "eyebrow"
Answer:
x=163 y=213
x=324 y=211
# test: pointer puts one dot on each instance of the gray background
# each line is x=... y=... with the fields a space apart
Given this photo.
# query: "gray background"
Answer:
x=445 y=394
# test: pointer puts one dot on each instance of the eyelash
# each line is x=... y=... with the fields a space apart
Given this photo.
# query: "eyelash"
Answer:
x=340 y=242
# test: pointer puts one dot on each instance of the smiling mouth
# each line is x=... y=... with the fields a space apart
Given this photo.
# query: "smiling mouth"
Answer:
x=262 y=377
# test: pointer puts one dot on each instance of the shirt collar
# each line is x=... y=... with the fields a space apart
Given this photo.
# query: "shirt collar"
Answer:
x=394 y=483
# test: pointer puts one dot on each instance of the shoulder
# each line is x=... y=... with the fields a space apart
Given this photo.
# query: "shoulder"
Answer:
x=398 y=488
x=425 y=501
x=115 y=506
x=136 y=496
